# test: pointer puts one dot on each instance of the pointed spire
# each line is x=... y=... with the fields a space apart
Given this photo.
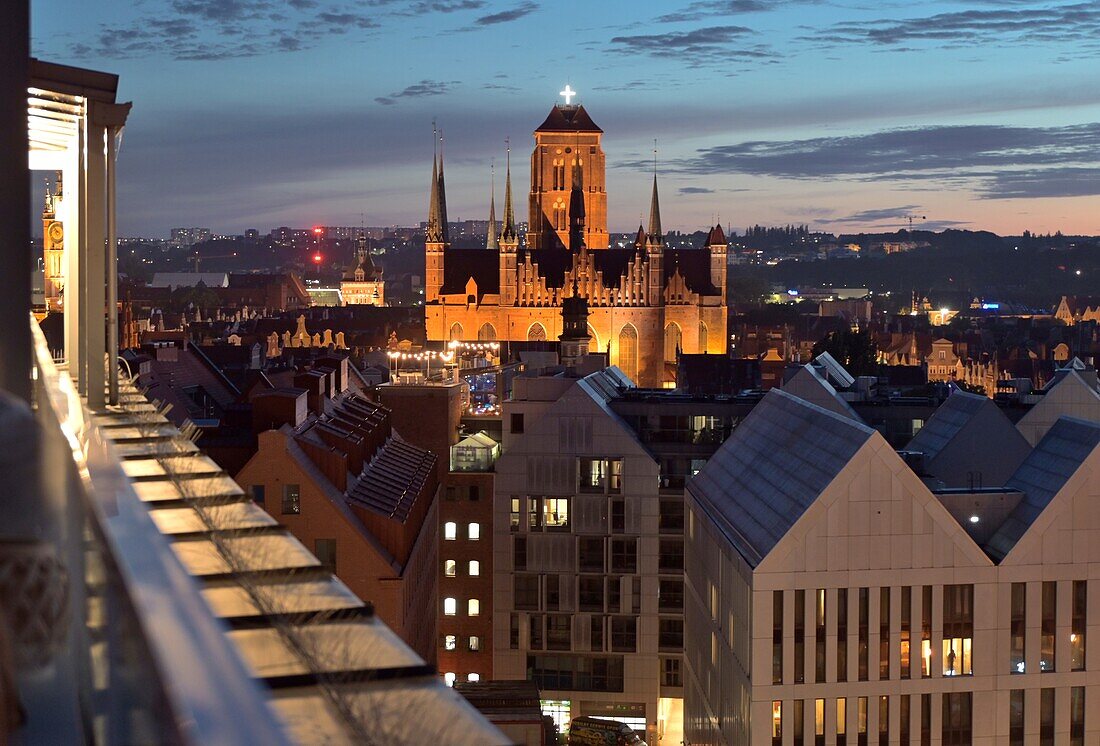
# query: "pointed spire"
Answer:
x=508 y=231
x=434 y=233
x=47 y=209
x=491 y=237
x=656 y=235
x=639 y=239
x=442 y=194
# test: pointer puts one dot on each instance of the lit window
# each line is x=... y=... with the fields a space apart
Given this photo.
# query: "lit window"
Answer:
x=555 y=512
x=450 y=531
x=449 y=568
x=473 y=677
x=449 y=677
x=473 y=531
x=450 y=606
x=450 y=642
x=474 y=607
x=292 y=500
x=475 y=567
x=474 y=643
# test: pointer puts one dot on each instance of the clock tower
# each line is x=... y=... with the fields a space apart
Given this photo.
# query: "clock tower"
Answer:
x=53 y=247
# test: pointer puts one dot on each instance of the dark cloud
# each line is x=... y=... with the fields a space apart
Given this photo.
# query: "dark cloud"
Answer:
x=709 y=8
x=222 y=10
x=701 y=46
x=1007 y=22
x=507 y=16
x=447 y=6
x=1051 y=182
x=695 y=190
x=340 y=22
x=876 y=215
x=417 y=90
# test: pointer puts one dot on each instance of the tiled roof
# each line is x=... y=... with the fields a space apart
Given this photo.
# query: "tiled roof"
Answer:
x=568 y=119
x=773 y=467
x=1042 y=475
x=393 y=480
x=459 y=265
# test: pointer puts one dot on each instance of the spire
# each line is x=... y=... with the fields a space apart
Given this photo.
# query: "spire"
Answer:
x=656 y=235
x=508 y=230
x=47 y=209
x=442 y=194
x=491 y=237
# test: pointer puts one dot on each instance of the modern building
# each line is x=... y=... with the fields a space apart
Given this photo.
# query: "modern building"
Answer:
x=832 y=598
x=1072 y=392
x=647 y=302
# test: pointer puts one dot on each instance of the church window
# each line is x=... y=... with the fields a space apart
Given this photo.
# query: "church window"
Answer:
x=486 y=333
x=673 y=342
x=593 y=340
x=628 y=352
x=702 y=337
x=456 y=331
x=537 y=333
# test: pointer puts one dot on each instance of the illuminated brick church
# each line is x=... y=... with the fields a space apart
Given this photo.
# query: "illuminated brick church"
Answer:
x=645 y=302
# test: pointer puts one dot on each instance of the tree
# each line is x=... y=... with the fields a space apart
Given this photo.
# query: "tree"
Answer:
x=856 y=351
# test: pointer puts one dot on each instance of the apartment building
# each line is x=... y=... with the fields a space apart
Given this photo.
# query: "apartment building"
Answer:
x=832 y=598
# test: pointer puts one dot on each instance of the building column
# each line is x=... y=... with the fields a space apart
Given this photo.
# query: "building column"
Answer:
x=95 y=263
x=75 y=350
x=113 y=134
x=15 y=202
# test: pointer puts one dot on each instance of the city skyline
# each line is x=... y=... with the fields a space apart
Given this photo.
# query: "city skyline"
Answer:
x=257 y=114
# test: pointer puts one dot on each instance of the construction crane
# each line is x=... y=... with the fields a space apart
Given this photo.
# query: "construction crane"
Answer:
x=911 y=218
x=195 y=259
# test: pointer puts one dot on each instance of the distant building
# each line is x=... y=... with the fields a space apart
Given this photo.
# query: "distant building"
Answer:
x=362 y=282
x=1073 y=309
x=189 y=236
x=832 y=598
x=173 y=280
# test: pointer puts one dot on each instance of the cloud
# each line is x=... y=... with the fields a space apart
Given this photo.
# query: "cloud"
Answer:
x=876 y=215
x=695 y=190
x=447 y=6
x=417 y=90
x=701 y=46
x=707 y=8
x=507 y=16
x=1006 y=23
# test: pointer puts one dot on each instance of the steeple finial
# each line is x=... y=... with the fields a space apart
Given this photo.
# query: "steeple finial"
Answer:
x=442 y=194
x=508 y=230
x=656 y=235
x=491 y=235
x=436 y=227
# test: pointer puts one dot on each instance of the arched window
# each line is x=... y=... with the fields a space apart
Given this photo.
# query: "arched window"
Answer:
x=673 y=342
x=628 y=352
x=559 y=215
x=456 y=331
x=537 y=333
x=486 y=333
x=593 y=340
x=702 y=337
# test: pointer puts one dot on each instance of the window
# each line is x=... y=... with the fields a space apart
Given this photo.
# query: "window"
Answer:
x=884 y=720
x=670 y=672
x=553 y=594
x=450 y=606
x=474 y=568
x=624 y=555
x=449 y=678
x=590 y=554
x=614 y=594
x=842 y=634
x=473 y=531
x=670 y=634
x=1016 y=718
x=819 y=638
x=926 y=632
x=449 y=568
x=473 y=676
x=586 y=673
x=819 y=722
x=557 y=632
x=536 y=632
x=670 y=556
x=864 y=633
x=1018 y=627
x=903 y=718
x=473 y=607
x=555 y=513
x=777 y=637
x=513 y=632
x=926 y=720
x=957 y=730
x=450 y=531
x=841 y=721
x=517 y=423
x=1077 y=716
x=670 y=595
x=861 y=721
x=958 y=629
x=884 y=633
x=618 y=516
x=1077 y=626
x=624 y=634
x=671 y=517
x=600 y=475
x=800 y=637
x=627 y=357
x=526 y=588
x=596 y=637
x=906 y=623
x=258 y=494
x=1046 y=717
x=589 y=593
x=325 y=550
x=799 y=722
x=450 y=642
x=513 y=516
x=1048 y=627
x=615 y=477
x=292 y=499
x=519 y=553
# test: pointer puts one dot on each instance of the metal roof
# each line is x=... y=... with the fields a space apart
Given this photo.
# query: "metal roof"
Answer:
x=946 y=422
x=773 y=467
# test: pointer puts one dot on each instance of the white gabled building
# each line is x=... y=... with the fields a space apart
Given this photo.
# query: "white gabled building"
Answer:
x=832 y=598
x=1073 y=392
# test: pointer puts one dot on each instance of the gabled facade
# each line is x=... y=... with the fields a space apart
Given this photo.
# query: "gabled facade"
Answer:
x=1072 y=393
x=832 y=598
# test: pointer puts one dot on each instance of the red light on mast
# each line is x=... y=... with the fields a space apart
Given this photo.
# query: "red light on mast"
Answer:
x=317 y=258
x=318 y=230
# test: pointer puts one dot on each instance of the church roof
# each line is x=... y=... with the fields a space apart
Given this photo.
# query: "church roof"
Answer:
x=459 y=265
x=694 y=266
x=568 y=119
x=716 y=237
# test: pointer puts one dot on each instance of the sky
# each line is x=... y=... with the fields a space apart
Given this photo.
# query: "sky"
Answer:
x=847 y=116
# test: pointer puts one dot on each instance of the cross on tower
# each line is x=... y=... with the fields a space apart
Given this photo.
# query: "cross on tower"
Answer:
x=568 y=94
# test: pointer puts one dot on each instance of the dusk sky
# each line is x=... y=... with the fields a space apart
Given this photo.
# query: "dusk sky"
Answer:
x=848 y=115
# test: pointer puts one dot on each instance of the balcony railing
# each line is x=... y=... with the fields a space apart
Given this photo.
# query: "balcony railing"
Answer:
x=111 y=638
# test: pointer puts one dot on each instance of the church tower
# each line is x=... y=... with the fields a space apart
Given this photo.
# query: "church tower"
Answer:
x=53 y=247
x=574 y=328
x=435 y=237
x=491 y=242
x=717 y=246
x=509 y=242
x=567 y=140
x=655 y=249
